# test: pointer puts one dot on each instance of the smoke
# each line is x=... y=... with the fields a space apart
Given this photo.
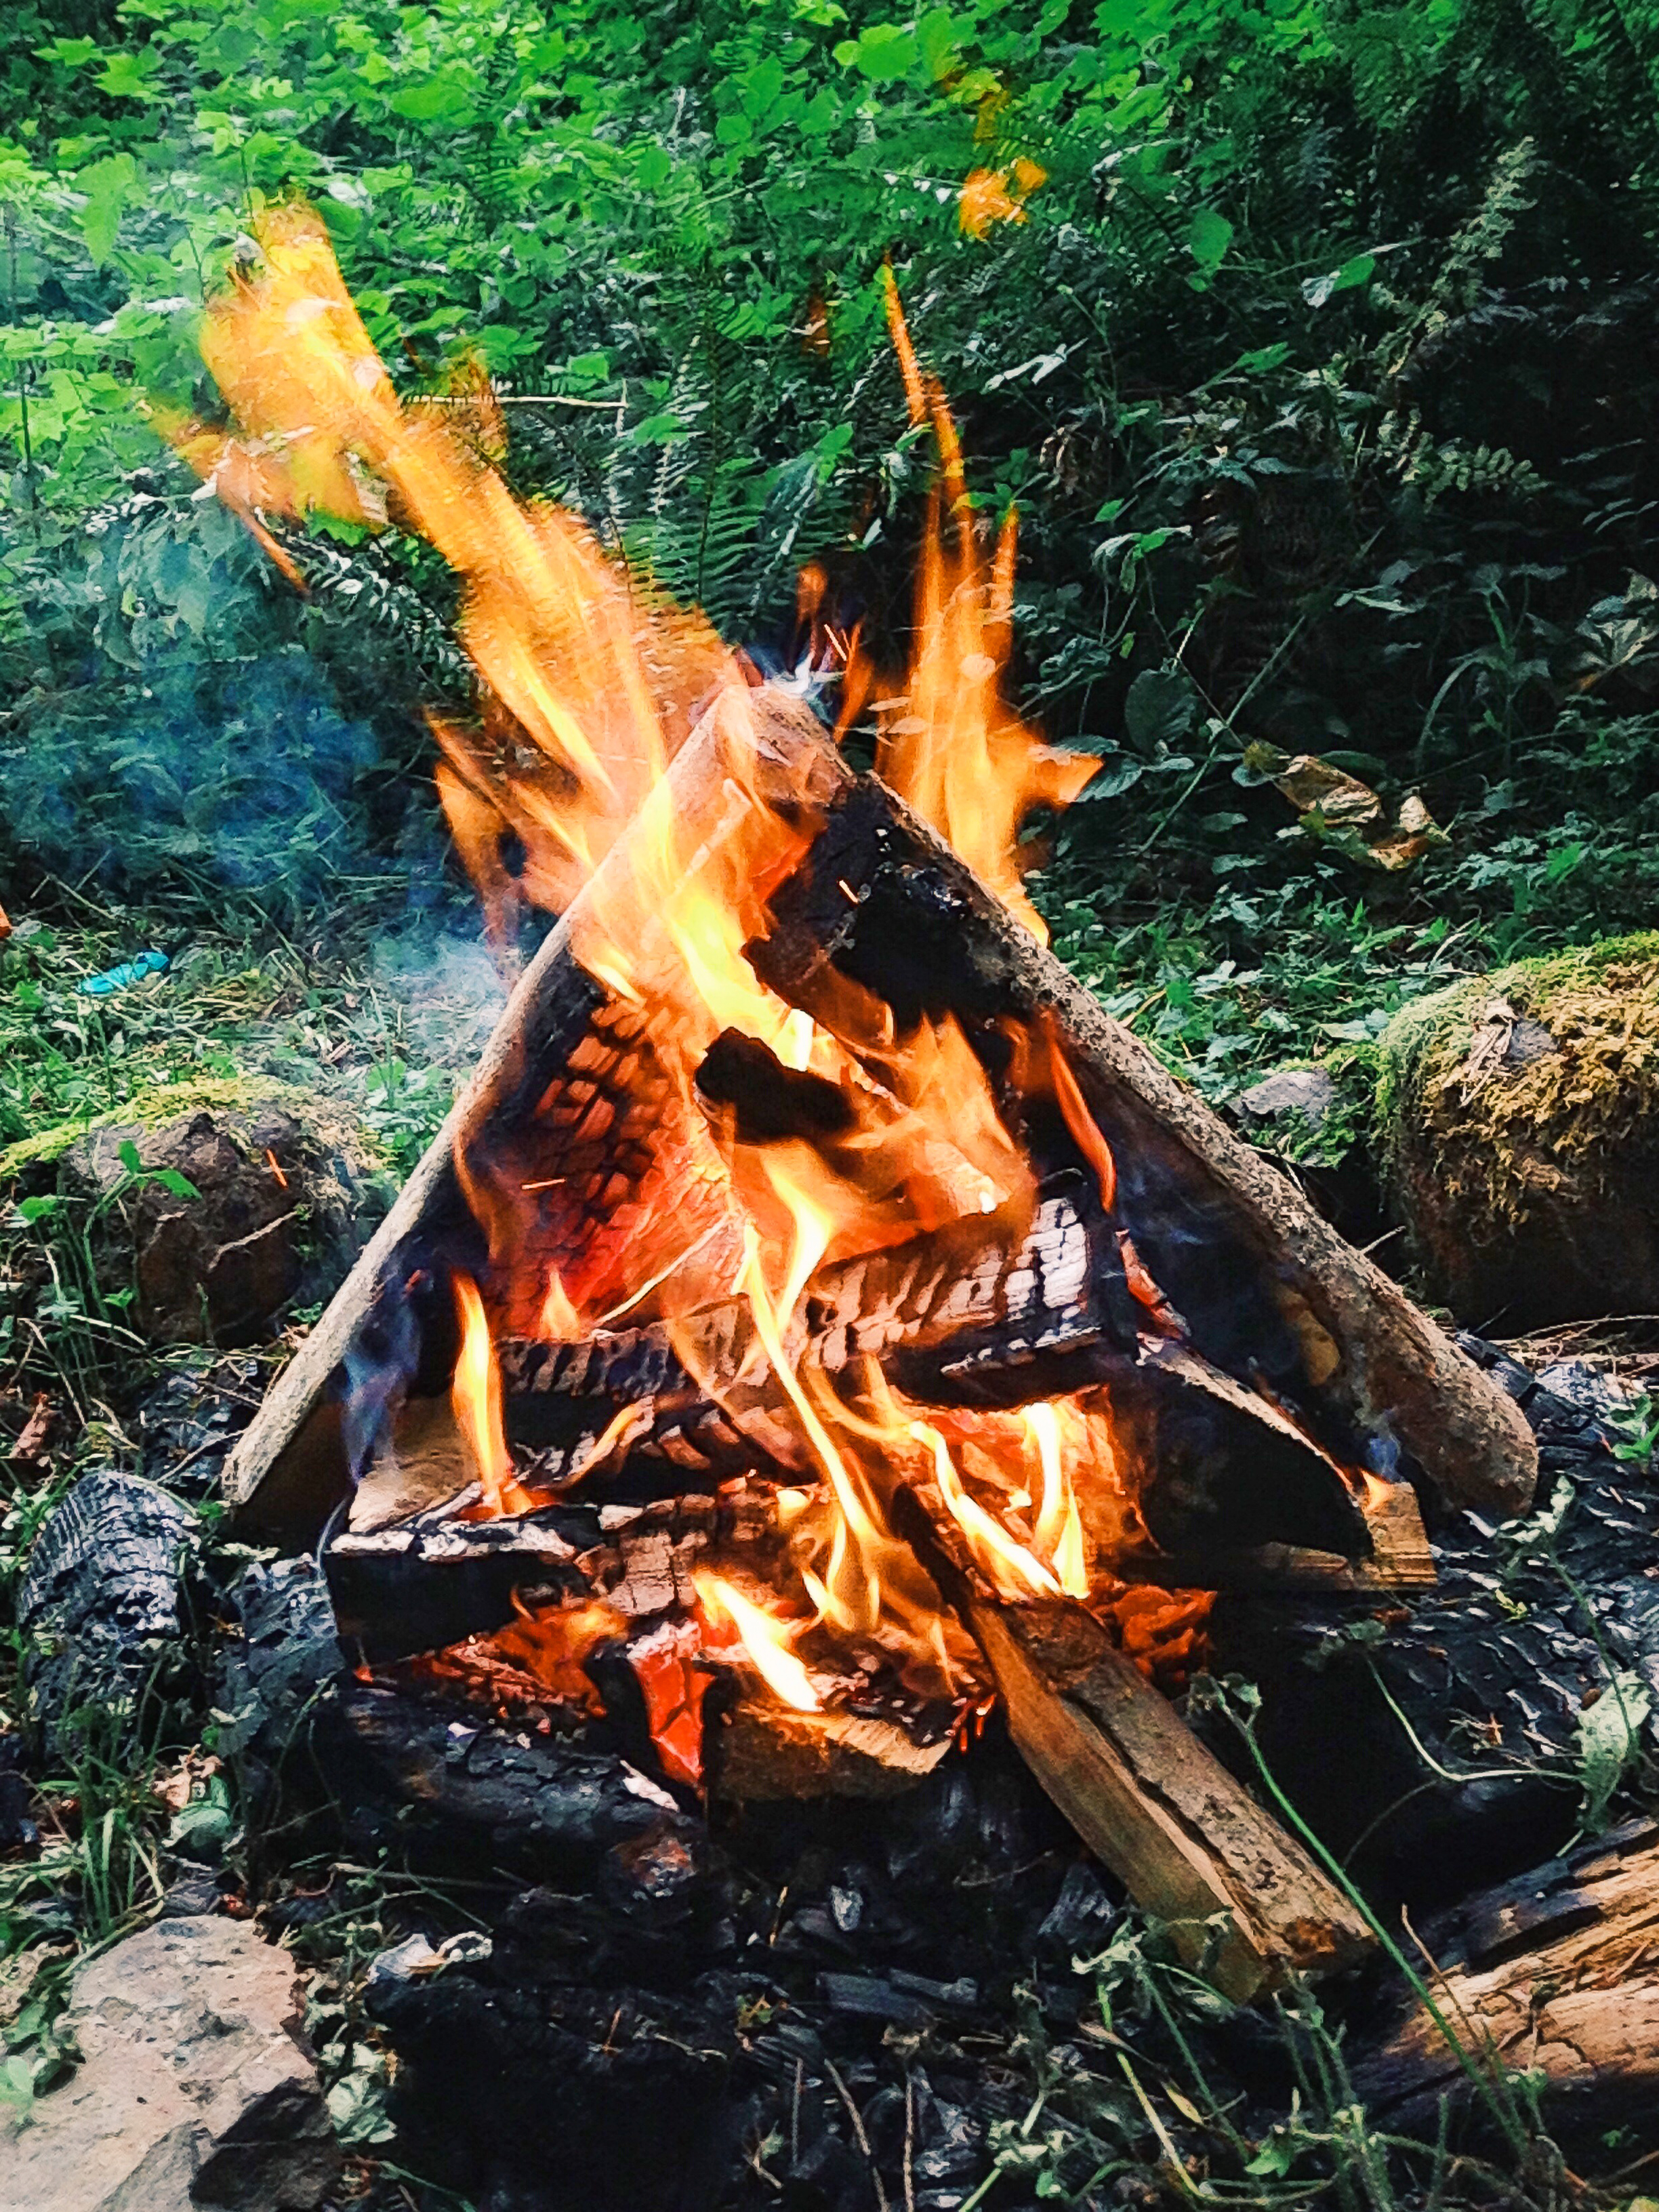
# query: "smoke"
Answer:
x=180 y=738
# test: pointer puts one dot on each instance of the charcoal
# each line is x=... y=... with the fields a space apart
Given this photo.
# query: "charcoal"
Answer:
x=863 y=1999
x=1491 y=1671
x=100 y=1603
x=537 y=1800
x=558 y=2102
x=288 y=1649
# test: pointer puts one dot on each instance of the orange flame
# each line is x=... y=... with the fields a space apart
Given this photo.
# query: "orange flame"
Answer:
x=476 y=1396
x=951 y=746
x=767 y=1641
x=592 y=687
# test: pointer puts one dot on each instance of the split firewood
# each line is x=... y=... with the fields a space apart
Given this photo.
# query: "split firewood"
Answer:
x=1243 y=1900
x=1555 y=1975
x=763 y=1751
x=1401 y=1559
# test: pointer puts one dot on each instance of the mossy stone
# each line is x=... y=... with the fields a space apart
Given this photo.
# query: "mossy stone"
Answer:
x=1520 y=1119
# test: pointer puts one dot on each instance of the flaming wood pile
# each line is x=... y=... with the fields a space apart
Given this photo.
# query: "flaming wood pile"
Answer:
x=1291 y=1357
x=824 y=1290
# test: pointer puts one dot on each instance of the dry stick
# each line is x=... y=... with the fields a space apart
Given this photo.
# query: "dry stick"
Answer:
x=857 y=2118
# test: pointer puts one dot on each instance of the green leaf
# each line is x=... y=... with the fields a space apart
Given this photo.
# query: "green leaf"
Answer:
x=1159 y=711
x=1316 y=290
x=128 y=75
x=127 y=1154
x=882 y=52
x=30 y=1210
x=1609 y=1741
x=440 y=99
x=1208 y=236
x=107 y=185
x=180 y=1186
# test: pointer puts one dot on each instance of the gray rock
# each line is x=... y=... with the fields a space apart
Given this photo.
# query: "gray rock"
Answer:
x=101 y=1592
x=1304 y=1095
x=195 y=2092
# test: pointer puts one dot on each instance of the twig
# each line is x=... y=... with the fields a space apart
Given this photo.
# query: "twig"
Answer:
x=857 y=2118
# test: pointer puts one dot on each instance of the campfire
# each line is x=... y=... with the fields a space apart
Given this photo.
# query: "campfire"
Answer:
x=817 y=1320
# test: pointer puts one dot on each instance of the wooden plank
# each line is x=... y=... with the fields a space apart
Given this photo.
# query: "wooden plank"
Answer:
x=1243 y=1902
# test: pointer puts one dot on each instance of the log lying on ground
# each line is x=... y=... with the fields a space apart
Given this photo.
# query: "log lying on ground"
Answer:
x=1242 y=1899
x=1556 y=1975
x=1271 y=1297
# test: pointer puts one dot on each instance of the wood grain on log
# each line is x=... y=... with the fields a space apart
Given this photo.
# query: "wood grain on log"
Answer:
x=1243 y=1901
x=1560 y=1978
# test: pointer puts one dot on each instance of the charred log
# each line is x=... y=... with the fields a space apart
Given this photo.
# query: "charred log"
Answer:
x=1485 y=1677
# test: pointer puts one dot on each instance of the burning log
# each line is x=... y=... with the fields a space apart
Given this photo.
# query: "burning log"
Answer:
x=1187 y=1841
x=1270 y=1297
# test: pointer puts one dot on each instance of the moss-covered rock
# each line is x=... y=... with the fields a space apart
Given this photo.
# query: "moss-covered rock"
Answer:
x=1520 y=1117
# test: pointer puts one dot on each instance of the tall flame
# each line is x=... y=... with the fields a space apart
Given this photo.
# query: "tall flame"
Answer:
x=951 y=746
x=591 y=685
x=475 y=1396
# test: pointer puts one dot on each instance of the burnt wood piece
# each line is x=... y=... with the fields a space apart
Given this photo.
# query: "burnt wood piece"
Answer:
x=1151 y=1802
x=1401 y=1559
x=537 y=1799
x=1271 y=1295
x=435 y=1579
x=1490 y=1672
x=101 y=1594
x=1267 y=1289
x=1555 y=1975
x=957 y=1322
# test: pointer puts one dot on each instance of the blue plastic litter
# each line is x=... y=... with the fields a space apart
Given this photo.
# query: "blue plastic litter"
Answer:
x=123 y=977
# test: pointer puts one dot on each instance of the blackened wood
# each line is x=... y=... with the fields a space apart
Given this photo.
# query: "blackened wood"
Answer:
x=1267 y=1288
x=100 y=1593
x=435 y=1579
x=541 y=1799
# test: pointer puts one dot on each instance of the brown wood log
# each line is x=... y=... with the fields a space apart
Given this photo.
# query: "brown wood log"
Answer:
x=1556 y=1974
x=1401 y=1559
x=1243 y=1902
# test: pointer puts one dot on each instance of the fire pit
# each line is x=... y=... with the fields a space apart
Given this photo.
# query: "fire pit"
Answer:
x=820 y=1344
